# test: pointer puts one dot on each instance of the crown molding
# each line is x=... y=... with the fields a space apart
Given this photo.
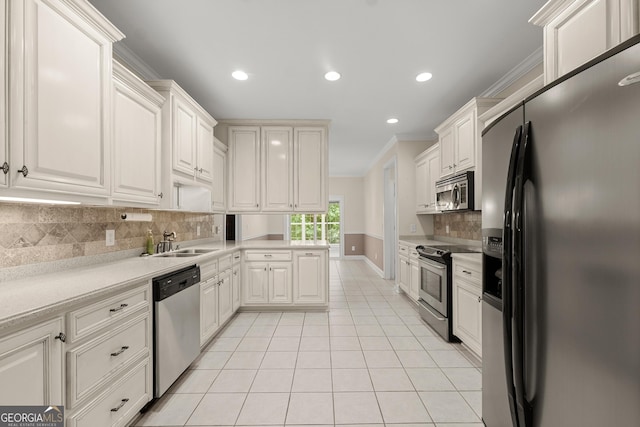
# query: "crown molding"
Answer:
x=528 y=64
x=132 y=61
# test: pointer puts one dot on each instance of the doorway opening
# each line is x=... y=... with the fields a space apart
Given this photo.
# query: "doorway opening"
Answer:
x=390 y=219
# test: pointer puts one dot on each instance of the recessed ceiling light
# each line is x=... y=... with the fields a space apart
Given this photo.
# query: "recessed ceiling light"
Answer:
x=392 y=121
x=423 y=77
x=332 y=76
x=239 y=75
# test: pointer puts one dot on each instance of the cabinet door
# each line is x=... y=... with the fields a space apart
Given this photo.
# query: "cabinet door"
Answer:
x=136 y=139
x=4 y=144
x=446 y=152
x=422 y=185
x=244 y=164
x=225 y=296
x=310 y=277
x=280 y=282
x=277 y=167
x=204 y=154
x=218 y=197
x=405 y=274
x=434 y=174
x=31 y=362
x=464 y=147
x=235 y=281
x=468 y=315
x=60 y=99
x=209 y=322
x=255 y=279
x=310 y=165
x=184 y=137
x=414 y=287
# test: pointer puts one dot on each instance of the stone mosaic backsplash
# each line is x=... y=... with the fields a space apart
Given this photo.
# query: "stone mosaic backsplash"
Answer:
x=464 y=225
x=38 y=233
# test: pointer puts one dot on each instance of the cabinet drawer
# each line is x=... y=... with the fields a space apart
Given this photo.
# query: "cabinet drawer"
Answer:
x=120 y=403
x=208 y=269
x=236 y=257
x=469 y=272
x=91 y=366
x=224 y=263
x=403 y=250
x=88 y=320
x=413 y=253
x=267 y=255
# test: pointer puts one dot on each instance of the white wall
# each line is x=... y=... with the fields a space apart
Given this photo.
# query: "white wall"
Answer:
x=254 y=226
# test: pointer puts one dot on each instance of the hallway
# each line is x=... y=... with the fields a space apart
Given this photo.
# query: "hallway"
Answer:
x=369 y=360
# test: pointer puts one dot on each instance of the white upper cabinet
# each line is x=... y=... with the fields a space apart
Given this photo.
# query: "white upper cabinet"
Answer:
x=187 y=147
x=277 y=165
x=447 y=150
x=244 y=164
x=60 y=97
x=310 y=166
x=278 y=169
x=576 y=31
x=136 y=139
x=427 y=173
x=4 y=147
x=219 y=188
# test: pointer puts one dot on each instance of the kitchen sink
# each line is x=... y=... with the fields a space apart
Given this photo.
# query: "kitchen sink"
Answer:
x=185 y=253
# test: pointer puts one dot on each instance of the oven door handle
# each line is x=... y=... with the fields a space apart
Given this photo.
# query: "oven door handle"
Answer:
x=432 y=265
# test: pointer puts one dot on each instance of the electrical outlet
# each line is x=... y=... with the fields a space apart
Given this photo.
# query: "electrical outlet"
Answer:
x=198 y=230
x=412 y=228
x=353 y=248
x=447 y=228
x=110 y=237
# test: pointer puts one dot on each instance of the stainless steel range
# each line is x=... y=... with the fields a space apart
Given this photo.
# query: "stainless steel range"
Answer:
x=435 y=286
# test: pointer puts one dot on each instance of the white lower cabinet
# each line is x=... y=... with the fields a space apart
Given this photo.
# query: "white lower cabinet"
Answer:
x=467 y=303
x=236 y=281
x=209 y=322
x=31 y=362
x=267 y=283
x=109 y=359
x=414 y=283
x=225 y=296
x=310 y=277
x=280 y=282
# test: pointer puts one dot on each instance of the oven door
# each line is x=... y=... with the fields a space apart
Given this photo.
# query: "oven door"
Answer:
x=433 y=285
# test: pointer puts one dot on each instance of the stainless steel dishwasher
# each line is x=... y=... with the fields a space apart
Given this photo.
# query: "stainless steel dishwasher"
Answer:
x=176 y=325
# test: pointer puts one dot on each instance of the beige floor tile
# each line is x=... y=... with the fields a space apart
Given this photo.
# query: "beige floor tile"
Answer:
x=314 y=360
x=382 y=359
x=405 y=343
x=344 y=343
x=288 y=331
x=347 y=359
x=357 y=407
x=224 y=344
x=315 y=331
x=217 y=409
x=279 y=360
x=194 y=381
x=284 y=344
x=448 y=406
x=272 y=380
x=449 y=359
x=474 y=399
x=233 y=381
x=375 y=343
x=402 y=407
x=316 y=380
x=245 y=360
x=342 y=331
x=253 y=344
x=390 y=379
x=171 y=410
x=310 y=408
x=429 y=379
x=464 y=379
x=351 y=380
x=211 y=360
x=415 y=359
x=262 y=409
x=314 y=344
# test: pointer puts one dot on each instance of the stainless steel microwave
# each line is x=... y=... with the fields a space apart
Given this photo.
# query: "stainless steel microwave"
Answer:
x=455 y=193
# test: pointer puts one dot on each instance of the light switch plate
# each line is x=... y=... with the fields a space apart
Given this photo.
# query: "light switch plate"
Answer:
x=412 y=228
x=110 y=237
x=198 y=230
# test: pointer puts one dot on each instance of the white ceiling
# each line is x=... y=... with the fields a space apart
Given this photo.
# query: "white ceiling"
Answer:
x=378 y=46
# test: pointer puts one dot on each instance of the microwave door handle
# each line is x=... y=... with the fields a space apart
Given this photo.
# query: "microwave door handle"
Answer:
x=455 y=196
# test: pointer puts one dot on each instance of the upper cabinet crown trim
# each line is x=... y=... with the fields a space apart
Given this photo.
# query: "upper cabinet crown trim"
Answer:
x=276 y=122
x=126 y=76
x=87 y=11
x=549 y=11
x=479 y=103
x=172 y=86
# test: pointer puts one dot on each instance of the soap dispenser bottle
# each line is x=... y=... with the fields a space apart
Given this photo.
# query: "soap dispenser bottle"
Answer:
x=150 y=245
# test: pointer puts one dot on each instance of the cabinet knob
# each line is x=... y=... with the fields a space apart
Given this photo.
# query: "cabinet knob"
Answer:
x=61 y=336
x=24 y=171
x=450 y=167
x=200 y=170
x=5 y=168
x=161 y=195
x=454 y=165
x=257 y=205
x=479 y=299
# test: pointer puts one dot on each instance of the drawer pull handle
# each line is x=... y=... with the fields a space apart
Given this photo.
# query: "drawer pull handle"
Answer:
x=236 y=257
x=61 y=336
x=466 y=272
x=309 y=253
x=268 y=255
x=122 y=306
x=122 y=403
x=119 y=352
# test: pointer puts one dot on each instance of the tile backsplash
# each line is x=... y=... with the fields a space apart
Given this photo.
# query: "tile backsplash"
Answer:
x=464 y=225
x=38 y=233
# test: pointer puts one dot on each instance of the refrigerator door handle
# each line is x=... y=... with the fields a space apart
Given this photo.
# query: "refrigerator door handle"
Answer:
x=518 y=279
x=506 y=274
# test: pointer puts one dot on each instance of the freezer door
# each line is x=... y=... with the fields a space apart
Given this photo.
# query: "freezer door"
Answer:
x=581 y=228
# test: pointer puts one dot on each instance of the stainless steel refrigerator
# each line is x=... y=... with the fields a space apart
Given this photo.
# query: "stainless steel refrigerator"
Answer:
x=561 y=252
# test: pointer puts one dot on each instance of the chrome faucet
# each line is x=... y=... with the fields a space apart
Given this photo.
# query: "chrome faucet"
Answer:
x=166 y=245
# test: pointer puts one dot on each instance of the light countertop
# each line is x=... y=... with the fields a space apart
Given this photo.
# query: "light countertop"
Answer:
x=468 y=257
x=45 y=294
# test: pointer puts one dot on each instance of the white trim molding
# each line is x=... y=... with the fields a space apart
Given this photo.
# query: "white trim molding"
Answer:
x=528 y=64
x=132 y=61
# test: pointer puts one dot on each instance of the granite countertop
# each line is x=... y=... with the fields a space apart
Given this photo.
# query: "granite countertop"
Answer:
x=438 y=241
x=44 y=294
